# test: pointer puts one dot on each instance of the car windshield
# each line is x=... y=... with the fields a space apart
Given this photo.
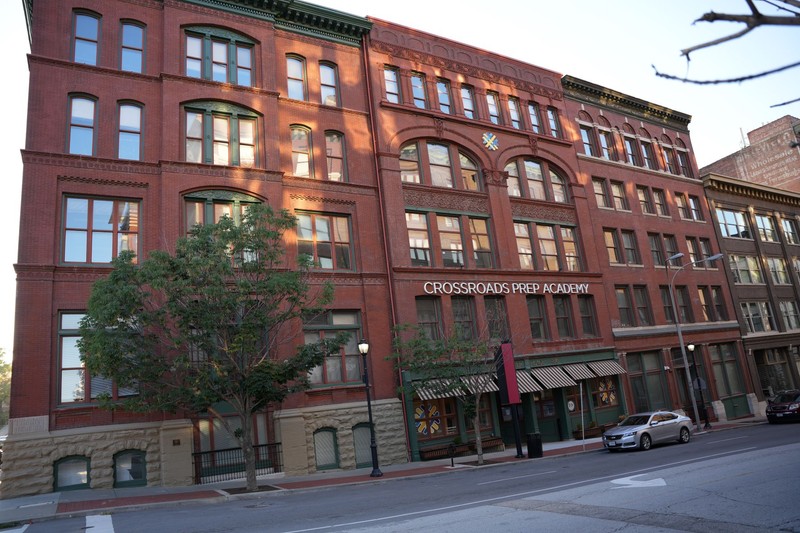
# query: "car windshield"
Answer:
x=786 y=397
x=635 y=420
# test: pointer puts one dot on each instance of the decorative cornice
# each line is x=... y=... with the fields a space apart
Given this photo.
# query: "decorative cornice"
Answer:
x=463 y=68
x=747 y=189
x=447 y=200
x=543 y=211
x=298 y=17
x=598 y=95
x=96 y=181
x=89 y=163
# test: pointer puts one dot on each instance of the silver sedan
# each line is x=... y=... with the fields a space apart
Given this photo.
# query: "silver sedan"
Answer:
x=642 y=430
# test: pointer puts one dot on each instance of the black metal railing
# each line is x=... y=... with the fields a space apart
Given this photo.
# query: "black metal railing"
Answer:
x=222 y=465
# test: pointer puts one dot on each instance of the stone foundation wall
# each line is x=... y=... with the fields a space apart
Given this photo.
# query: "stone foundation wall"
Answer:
x=300 y=459
x=28 y=458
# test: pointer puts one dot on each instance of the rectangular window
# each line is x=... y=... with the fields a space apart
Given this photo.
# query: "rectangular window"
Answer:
x=533 y=114
x=601 y=194
x=296 y=78
x=326 y=239
x=213 y=55
x=391 y=84
x=496 y=318
x=645 y=200
x=620 y=198
x=429 y=316
x=656 y=249
x=524 y=246
x=644 y=313
x=727 y=375
x=87 y=35
x=301 y=153
x=625 y=306
x=684 y=304
x=513 y=113
x=733 y=224
x=613 y=246
x=555 y=125
x=194 y=56
x=572 y=259
x=745 y=269
x=439 y=164
x=631 y=153
x=694 y=250
x=343 y=366
x=464 y=316
x=418 y=239
x=443 y=90
x=757 y=316
x=493 y=104
x=683 y=161
x=547 y=247
x=766 y=228
x=661 y=202
x=666 y=302
x=777 y=271
x=588 y=315
x=671 y=249
x=328 y=85
x=695 y=208
x=649 y=157
x=718 y=298
x=607 y=145
x=790 y=231
x=587 y=138
x=334 y=148
x=632 y=256
x=791 y=317
x=220 y=139
x=96 y=230
x=77 y=385
x=418 y=90
x=132 y=53
x=130 y=132
x=219 y=61
x=481 y=245
x=450 y=240
x=244 y=65
x=669 y=159
x=683 y=207
x=704 y=295
x=468 y=101
x=81 y=126
x=563 y=315
x=537 y=317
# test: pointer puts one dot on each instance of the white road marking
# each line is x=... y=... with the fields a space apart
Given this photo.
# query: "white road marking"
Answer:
x=99 y=523
x=630 y=483
x=18 y=530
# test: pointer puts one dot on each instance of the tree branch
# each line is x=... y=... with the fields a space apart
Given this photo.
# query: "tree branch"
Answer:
x=729 y=80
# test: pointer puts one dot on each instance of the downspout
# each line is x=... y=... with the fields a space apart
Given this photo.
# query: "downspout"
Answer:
x=389 y=275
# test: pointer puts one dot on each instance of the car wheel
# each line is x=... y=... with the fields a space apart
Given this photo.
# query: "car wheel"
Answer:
x=645 y=442
x=684 y=436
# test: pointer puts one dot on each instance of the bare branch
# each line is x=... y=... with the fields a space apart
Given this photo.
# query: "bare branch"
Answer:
x=687 y=51
x=729 y=80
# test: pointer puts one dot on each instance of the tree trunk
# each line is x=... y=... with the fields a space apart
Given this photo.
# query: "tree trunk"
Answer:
x=478 y=443
x=249 y=453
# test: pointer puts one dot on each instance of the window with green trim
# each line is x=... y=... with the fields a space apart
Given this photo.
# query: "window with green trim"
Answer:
x=326 y=449
x=219 y=55
x=71 y=473
x=208 y=207
x=130 y=469
x=221 y=134
x=344 y=365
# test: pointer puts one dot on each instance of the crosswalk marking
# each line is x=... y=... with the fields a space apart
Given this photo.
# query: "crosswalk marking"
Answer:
x=99 y=524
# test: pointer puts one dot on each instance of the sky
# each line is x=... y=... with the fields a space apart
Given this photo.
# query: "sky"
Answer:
x=613 y=43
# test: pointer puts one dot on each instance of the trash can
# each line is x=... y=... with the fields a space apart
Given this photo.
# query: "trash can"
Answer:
x=534 y=445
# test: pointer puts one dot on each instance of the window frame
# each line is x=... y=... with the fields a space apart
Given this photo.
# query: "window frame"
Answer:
x=130 y=131
x=233 y=43
x=538 y=318
x=91 y=232
x=495 y=114
x=728 y=219
x=79 y=40
x=790 y=232
x=443 y=96
x=419 y=90
x=554 y=123
x=332 y=157
x=80 y=124
x=296 y=82
x=533 y=179
x=298 y=152
x=129 y=49
x=338 y=225
x=208 y=139
x=87 y=480
x=468 y=101
x=391 y=80
x=428 y=314
x=515 y=119
x=565 y=324
x=328 y=324
x=535 y=116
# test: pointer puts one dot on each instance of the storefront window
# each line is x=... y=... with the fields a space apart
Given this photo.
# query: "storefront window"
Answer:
x=435 y=418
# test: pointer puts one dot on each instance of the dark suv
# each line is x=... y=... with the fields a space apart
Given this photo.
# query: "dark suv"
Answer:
x=784 y=406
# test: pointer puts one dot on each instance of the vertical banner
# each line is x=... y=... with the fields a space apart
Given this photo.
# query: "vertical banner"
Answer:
x=506 y=375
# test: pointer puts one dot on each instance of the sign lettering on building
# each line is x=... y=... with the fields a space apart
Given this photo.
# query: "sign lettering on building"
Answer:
x=492 y=287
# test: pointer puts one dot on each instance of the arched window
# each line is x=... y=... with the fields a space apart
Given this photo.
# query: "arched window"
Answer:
x=329 y=84
x=437 y=164
x=361 y=444
x=296 y=77
x=208 y=207
x=326 y=449
x=219 y=55
x=71 y=473
x=302 y=164
x=130 y=469
x=132 y=47
x=86 y=38
x=335 y=154
x=218 y=133
x=81 y=125
x=130 y=131
x=540 y=181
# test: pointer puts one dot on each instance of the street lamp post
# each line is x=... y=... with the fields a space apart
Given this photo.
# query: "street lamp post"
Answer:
x=678 y=330
x=363 y=347
x=700 y=383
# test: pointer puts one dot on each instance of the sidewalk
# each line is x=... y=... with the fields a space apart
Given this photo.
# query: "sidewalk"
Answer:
x=82 y=502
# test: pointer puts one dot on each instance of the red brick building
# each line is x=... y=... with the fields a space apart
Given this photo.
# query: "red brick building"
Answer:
x=434 y=183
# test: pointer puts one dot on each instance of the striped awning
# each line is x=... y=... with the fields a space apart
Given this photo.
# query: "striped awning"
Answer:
x=483 y=383
x=526 y=383
x=437 y=388
x=552 y=377
x=606 y=368
x=578 y=371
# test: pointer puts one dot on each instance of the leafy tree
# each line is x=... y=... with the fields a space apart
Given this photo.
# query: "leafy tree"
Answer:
x=451 y=366
x=5 y=388
x=204 y=325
